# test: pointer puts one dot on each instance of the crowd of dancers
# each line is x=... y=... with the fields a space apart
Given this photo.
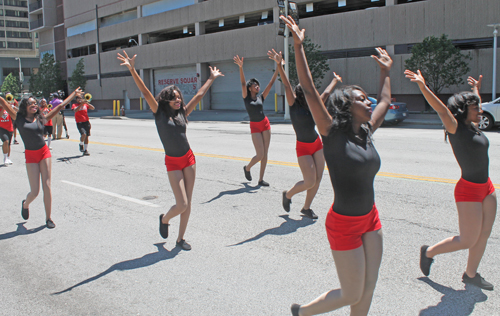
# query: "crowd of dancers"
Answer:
x=346 y=123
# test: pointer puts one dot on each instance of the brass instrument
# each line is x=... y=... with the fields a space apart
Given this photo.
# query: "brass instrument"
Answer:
x=9 y=97
x=88 y=97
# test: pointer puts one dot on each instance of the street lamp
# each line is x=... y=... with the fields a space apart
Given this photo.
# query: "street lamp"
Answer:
x=21 y=75
x=495 y=34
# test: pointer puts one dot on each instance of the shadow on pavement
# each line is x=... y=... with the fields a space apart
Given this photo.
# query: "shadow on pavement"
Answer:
x=453 y=302
x=68 y=159
x=246 y=189
x=21 y=230
x=287 y=227
x=144 y=261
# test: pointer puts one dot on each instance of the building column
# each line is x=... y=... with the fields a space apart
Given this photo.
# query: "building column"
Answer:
x=202 y=74
x=199 y=28
x=390 y=2
x=390 y=49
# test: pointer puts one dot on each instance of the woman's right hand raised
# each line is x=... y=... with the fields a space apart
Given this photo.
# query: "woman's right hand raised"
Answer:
x=277 y=57
x=298 y=34
x=415 y=77
x=238 y=61
x=127 y=61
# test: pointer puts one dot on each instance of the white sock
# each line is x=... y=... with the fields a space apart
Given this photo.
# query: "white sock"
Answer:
x=81 y=143
x=49 y=139
x=5 y=158
x=85 y=147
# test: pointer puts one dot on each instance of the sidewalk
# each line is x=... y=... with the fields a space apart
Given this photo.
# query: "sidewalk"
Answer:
x=242 y=116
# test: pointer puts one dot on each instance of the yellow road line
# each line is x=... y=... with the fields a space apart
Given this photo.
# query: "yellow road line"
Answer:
x=290 y=164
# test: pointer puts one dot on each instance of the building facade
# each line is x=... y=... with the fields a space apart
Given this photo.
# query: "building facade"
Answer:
x=176 y=40
x=18 y=46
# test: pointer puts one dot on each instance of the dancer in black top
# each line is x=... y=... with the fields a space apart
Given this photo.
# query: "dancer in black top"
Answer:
x=170 y=113
x=30 y=122
x=353 y=227
x=309 y=146
x=474 y=193
x=259 y=123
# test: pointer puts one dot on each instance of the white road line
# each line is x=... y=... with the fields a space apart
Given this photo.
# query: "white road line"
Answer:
x=123 y=197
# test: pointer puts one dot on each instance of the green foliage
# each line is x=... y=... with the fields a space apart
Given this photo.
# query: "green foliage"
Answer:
x=441 y=63
x=317 y=63
x=48 y=79
x=11 y=84
x=78 y=79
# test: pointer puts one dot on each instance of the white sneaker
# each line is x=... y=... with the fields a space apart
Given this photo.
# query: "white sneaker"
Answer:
x=8 y=161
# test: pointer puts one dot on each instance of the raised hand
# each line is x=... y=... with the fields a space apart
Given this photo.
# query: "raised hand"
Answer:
x=298 y=34
x=214 y=72
x=238 y=61
x=415 y=77
x=383 y=59
x=337 y=77
x=78 y=92
x=475 y=83
x=277 y=57
x=127 y=61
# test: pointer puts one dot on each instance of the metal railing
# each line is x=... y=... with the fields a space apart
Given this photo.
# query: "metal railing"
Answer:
x=35 y=6
x=36 y=24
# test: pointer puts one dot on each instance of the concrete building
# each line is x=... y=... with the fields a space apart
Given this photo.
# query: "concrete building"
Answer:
x=16 y=41
x=176 y=41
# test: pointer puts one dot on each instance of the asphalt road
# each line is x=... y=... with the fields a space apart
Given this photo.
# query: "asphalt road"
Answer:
x=249 y=257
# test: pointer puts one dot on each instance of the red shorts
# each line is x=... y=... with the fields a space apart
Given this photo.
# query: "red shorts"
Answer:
x=179 y=163
x=35 y=156
x=259 y=127
x=466 y=191
x=308 y=149
x=344 y=232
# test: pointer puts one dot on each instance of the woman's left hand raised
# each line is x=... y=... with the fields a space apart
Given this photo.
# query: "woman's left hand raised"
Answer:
x=383 y=59
x=214 y=72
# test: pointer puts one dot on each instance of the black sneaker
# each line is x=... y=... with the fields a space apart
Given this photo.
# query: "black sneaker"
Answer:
x=163 y=228
x=478 y=281
x=247 y=173
x=86 y=153
x=81 y=148
x=16 y=142
x=183 y=245
x=425 y=263
x=309 y=213
x=50 y=224
x=263 y=183
x=286 y=202
x=25 y=213
x=295 y=309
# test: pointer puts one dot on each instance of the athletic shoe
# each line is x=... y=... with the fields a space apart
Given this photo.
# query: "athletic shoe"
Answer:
x=425 y=263
x=183 y=244
x=81 y=148
x=478 y=281
x=50 y=148
x=8 y=161
x=67 y=136
x=309 y=213
x=247 y=173
x=25 y=212
x=50 y=224
x=163 y=228
x=16 y=142
x=295 y=309
x=286 y=202
x=263 y=183
x=86 y=153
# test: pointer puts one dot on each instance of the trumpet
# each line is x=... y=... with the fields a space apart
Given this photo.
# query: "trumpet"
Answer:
x=88 y=97
x=9 y=97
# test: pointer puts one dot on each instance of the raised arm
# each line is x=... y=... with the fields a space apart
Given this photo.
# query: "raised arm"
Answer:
x=55 y=111
x=129 y=63
x=384 y=93
x=270 y=85
x=476 y=85
x=316 y=106
x=449 y=121
x=336 y=79
x=6 y=106
x=214 y=73
x=278 y=58
x=239 y=61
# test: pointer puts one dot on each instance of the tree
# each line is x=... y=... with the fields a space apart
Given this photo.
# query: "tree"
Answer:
x=78 y=79
x=11 y=84
x=48 y=79
x=441 y=63
x=317 y=63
